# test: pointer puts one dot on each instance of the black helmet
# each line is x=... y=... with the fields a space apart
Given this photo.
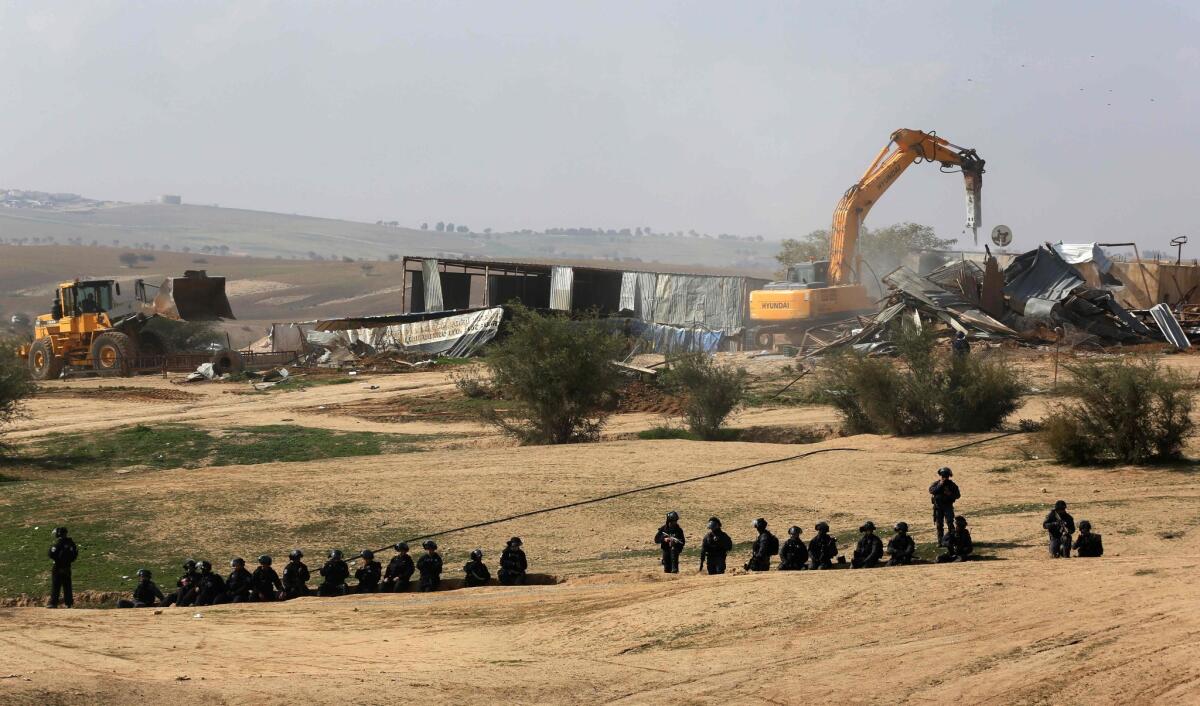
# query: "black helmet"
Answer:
x=867 y=526
x=429 y=544
x=821 y=526
x=189 y=565
x=515 y=542
x=368 y=554
x=205 y=566
x=400 y=546
x=1060 y=504
x=794 y=531
x=60 y=531
x=945 y=472
x=295 y=555
x=900 y=526
x=961 y=335
x=1084 y=524
x=960 y=521
x=714 y=522
x=237 y=561
x=264 y=559
x=477 y=554
x=760 y=524
x=335 y=554
x=672 y=516
x=144 y=573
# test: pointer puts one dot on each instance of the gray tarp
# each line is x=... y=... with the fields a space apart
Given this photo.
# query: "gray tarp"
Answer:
x=561 y=281
x=454 y=336
x=716 y=303
x=432 y=280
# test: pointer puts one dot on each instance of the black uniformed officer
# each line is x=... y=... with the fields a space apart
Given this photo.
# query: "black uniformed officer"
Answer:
x=943 y=494
x=901 y=547
x=430 y=567
x=475 y=573
x=869 y=550
x=210 y=587
x=185 y=591
x=63 y=553
x=513 y=563
x=264 y=583
x=335 y=573
x=369 y=574
x=238 y=584
x=822 y=549
x=793 y=555
x=295 y=576
x=958 y=543
x=715 y=546
x=145 y=594
x=765 y=546
x=1088 y=543
x=398 y=575
x=1060 y=526
x=670 y=540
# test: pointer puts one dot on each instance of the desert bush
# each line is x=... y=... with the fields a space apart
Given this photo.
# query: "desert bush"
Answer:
x=471 y=381
x=928 y=391
x=1125 y=410
x=15 y=383
x=557 y=374
x=709 y=391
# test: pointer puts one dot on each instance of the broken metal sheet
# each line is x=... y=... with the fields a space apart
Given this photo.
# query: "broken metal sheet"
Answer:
x=933 y=296
x=991 y=289
x=562 y=280
x=1170 y=326
x=1040 y=273
x=432 y=279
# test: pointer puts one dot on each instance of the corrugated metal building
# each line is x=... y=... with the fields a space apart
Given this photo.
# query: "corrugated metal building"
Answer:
x=676 y=309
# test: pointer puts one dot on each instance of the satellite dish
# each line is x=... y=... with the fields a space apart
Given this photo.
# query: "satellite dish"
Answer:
x=1002 y=236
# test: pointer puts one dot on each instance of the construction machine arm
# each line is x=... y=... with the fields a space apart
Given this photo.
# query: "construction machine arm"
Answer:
x=906 y=147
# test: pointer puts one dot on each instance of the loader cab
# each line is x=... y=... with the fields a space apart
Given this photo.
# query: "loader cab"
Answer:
x=88 y=297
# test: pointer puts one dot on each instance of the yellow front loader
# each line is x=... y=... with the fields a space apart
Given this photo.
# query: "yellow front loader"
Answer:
x=89 y=327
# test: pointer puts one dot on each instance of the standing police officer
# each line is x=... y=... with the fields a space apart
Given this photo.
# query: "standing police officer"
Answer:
x=670 y=539
x=714 y=548
x=942 y=494
x=63 y=553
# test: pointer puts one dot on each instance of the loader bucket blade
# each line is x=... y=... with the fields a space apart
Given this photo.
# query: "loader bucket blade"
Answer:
x=193 y=297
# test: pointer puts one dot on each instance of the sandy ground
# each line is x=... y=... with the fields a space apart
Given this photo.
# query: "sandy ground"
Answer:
x=1011 y=627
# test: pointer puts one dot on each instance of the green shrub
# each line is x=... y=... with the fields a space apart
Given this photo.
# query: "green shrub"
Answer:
x=929 y=391
x=709 y=391
x=1129 y=411
x=15 y=383
x=557 y=374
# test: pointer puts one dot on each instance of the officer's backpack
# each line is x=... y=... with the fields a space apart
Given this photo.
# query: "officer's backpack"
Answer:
x=772 y=545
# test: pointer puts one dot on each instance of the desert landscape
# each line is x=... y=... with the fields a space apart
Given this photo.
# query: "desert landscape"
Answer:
x=1011 y=626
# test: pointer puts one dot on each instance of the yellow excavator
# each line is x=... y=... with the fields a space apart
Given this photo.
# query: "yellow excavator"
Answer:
x=819 y=292
x=89 y=326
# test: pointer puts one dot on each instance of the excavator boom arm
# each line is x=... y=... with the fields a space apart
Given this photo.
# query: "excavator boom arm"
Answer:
x=906 y=147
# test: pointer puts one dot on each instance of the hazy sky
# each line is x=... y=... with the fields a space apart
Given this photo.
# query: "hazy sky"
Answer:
x=744 y=117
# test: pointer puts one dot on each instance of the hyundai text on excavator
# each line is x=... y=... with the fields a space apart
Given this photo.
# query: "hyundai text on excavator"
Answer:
x=819 y=292
x=89 y=327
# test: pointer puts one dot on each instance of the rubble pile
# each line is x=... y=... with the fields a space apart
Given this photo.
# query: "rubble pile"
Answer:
x=1040 y=297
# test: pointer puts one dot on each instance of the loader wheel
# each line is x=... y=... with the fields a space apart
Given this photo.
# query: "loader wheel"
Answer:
x=113 y=351
x=227 y=361
x=765 y=340
x=42 y=361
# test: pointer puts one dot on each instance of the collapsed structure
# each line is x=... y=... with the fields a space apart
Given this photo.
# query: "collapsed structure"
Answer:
x=1043 y=295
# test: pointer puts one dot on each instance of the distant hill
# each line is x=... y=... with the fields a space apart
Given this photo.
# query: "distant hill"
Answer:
x=258 y=233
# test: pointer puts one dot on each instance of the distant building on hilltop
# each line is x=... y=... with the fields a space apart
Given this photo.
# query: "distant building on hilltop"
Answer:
x=172 y=199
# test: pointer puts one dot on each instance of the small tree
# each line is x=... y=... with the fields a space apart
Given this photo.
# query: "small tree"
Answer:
x=128 y=259
x=366 y=268
x=710 y=392
x=15 y=383
x=1129 y=411
x=557 y=374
